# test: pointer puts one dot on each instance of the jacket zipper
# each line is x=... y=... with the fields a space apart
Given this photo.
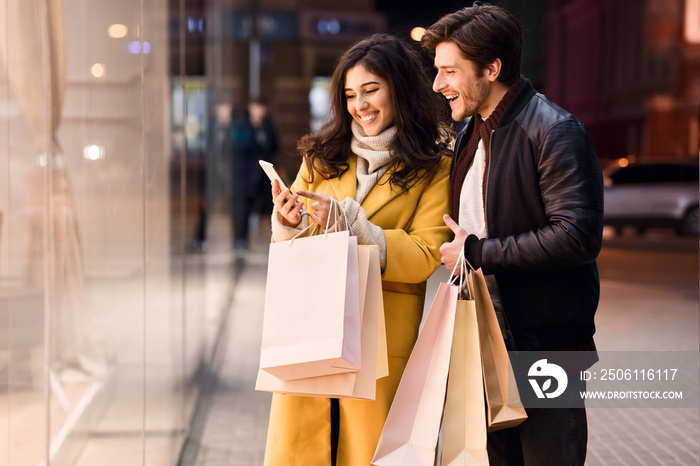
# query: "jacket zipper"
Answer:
x=486 y=183
x=509 y=337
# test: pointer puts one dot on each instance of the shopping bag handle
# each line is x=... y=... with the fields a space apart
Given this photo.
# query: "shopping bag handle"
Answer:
x=338 y=210
x=462 y=264
x=335 y=208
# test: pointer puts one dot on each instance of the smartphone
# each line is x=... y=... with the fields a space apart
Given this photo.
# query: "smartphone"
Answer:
x=272 y=173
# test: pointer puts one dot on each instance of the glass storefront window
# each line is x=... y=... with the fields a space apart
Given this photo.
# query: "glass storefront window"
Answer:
x=105 y=320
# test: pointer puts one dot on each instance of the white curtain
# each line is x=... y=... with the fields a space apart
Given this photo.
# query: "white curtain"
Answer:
x=33 y=51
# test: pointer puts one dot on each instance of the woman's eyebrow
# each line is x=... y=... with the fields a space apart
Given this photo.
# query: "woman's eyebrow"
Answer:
x=369 y=83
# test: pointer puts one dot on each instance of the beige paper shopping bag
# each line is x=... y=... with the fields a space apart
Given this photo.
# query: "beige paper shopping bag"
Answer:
x=503 y=405
x=464 y=436
x=304 y=334
x=382 y=352
x=362 y=384
x=412 y=427
x=382 y=363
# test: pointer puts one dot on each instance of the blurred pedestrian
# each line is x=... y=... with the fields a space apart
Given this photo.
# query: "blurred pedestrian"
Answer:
x=253 y=137
x=379 y=159
x=528 y=209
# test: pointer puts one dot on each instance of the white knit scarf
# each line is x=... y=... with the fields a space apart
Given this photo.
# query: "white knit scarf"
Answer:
x=373 y=157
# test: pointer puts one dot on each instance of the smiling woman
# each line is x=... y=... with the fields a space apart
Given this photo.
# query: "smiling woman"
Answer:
x=378 y=159
x=368 y=100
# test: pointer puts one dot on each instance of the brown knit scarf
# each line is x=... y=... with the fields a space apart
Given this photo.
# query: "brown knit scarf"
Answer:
x=482 y=130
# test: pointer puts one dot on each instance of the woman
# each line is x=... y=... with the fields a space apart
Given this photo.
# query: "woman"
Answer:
x=378 y=156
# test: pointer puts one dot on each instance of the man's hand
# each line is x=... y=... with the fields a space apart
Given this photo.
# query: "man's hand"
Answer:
x=452 y=251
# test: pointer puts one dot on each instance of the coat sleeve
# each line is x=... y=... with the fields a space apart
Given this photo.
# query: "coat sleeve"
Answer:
x=571 y=188
x=413 y=253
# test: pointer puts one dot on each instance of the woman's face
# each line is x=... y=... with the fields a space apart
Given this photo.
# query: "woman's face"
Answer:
x=369 y=100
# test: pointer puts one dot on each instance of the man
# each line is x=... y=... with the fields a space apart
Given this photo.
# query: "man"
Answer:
x=528 y=203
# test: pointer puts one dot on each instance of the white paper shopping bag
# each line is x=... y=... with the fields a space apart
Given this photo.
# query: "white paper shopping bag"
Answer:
x=311 y=334
x=361 y=384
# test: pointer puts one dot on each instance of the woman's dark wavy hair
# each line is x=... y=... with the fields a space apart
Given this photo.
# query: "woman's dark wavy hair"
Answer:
x=482 y=32
x=421 y=134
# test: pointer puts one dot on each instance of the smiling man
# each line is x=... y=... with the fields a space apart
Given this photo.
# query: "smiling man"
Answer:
x=528 y=207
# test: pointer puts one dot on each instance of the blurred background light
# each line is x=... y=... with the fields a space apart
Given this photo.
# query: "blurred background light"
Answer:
x=98 y=70
x=331 y=27
x=417 y=33
x=195 y=24
x=692 y=21
x=94 y=152
x=117 y=31
x=135 y=47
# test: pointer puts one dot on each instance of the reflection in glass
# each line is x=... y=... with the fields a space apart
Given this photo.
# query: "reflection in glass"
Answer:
x=104 y=321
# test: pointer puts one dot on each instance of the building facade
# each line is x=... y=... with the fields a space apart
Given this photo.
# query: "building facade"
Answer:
x=630 y=71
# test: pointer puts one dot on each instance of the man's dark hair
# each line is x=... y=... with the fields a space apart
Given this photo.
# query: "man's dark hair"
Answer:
x=482 y=32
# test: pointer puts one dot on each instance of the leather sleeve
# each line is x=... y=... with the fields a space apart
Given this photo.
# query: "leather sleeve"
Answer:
x=571 y=186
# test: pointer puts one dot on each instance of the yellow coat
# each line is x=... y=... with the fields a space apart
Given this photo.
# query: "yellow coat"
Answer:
x=299 y=430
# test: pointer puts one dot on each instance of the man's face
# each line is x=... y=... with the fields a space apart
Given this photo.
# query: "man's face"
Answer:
x=257 y=112
x=459 y=80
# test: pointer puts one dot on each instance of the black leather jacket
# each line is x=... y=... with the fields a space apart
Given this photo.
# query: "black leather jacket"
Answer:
x=544 y=217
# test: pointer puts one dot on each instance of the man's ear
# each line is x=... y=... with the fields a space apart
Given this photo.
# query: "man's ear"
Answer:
x=493 y=70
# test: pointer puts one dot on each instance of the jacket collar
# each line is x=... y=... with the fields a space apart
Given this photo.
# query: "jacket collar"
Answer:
x=526 y=92
x=523 y=96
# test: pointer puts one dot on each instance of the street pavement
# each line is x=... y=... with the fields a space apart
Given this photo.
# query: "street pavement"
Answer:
x=638 y=311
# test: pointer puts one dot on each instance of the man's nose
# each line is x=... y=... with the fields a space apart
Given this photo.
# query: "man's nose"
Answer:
x=438 y=83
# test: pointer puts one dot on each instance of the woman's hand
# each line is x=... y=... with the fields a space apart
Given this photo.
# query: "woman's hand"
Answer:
x=287 y=204
x=323 y=206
